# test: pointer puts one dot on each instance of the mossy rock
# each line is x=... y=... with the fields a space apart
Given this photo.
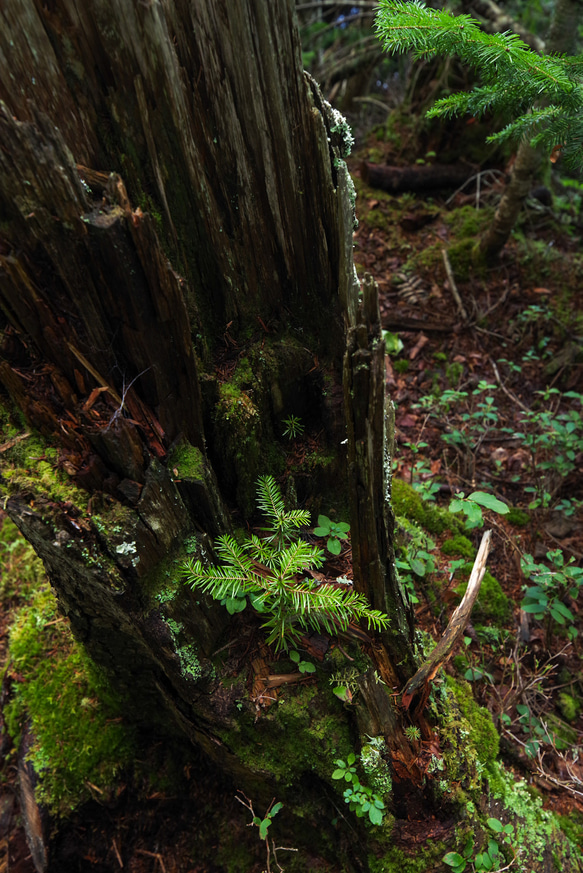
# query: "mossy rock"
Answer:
x=408 y=503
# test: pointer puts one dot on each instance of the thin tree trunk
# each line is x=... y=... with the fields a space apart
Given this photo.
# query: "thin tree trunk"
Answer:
x=562 y=38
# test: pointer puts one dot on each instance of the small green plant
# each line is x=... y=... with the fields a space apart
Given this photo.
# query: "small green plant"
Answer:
x=474 y=673
x=345 y=684
x=546 y=598
x=413 y=558
x=335 y=531
x=393 y=343
x=472 y=505
x=271 y=573
x=293 y=427
x=554 y=440
x=413 y=733
x=361 y=799
x=303 y=666
x=535 y=730
x=490 y=859
x=264 y=824
x=421 y=474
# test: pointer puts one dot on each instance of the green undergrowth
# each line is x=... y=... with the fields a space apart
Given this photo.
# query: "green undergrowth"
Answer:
x=79 y=743
x=536 y=829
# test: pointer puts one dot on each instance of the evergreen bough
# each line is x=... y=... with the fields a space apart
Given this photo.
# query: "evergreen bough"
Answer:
x=543 y=94
x=270 y=571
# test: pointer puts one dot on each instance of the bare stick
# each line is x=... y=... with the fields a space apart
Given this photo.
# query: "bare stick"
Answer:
x=117 y=854
x=452 y=286
x=508 y=393
x=457 y=623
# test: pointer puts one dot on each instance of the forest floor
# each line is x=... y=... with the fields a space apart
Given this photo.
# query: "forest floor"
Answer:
x=490 y=400
x=486 y=401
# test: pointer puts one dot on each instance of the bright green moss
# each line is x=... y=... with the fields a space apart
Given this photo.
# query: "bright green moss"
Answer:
x=569 y=706
x=459 y=546
x=21 y=571
x=421 y=860
x=467 y=222
x=186 y=462
x=484 y=737
x=572 y=827
x=74 y=715
x=407 y=502
x=32 y=466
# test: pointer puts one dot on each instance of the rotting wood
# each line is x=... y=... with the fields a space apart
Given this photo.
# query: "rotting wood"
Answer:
x=419 y=685
x=369 y=460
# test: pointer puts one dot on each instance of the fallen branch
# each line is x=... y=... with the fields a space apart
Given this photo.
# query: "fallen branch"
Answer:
x=418 y=178
x=419 y=684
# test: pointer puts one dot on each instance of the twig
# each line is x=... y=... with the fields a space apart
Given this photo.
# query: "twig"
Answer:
x=122 y=399
x=452 y=286
x=478 y=177
x=508 y=393
x=155 y=855
x=117 y=855
x=11 y=443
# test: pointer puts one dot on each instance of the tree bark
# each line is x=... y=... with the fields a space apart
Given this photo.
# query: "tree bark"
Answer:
x=175 y=278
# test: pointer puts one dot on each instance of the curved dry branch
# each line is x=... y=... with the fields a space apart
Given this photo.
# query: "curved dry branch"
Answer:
x=419 y=684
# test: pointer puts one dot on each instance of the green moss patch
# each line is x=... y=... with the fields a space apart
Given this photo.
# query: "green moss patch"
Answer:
x=305 y=732
x=459 y=546
x=485 y=737
x=79 y=742
x=408 y=503
x=186 y=461
x=491 y=603
x=20 y=570
x=517 y=517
